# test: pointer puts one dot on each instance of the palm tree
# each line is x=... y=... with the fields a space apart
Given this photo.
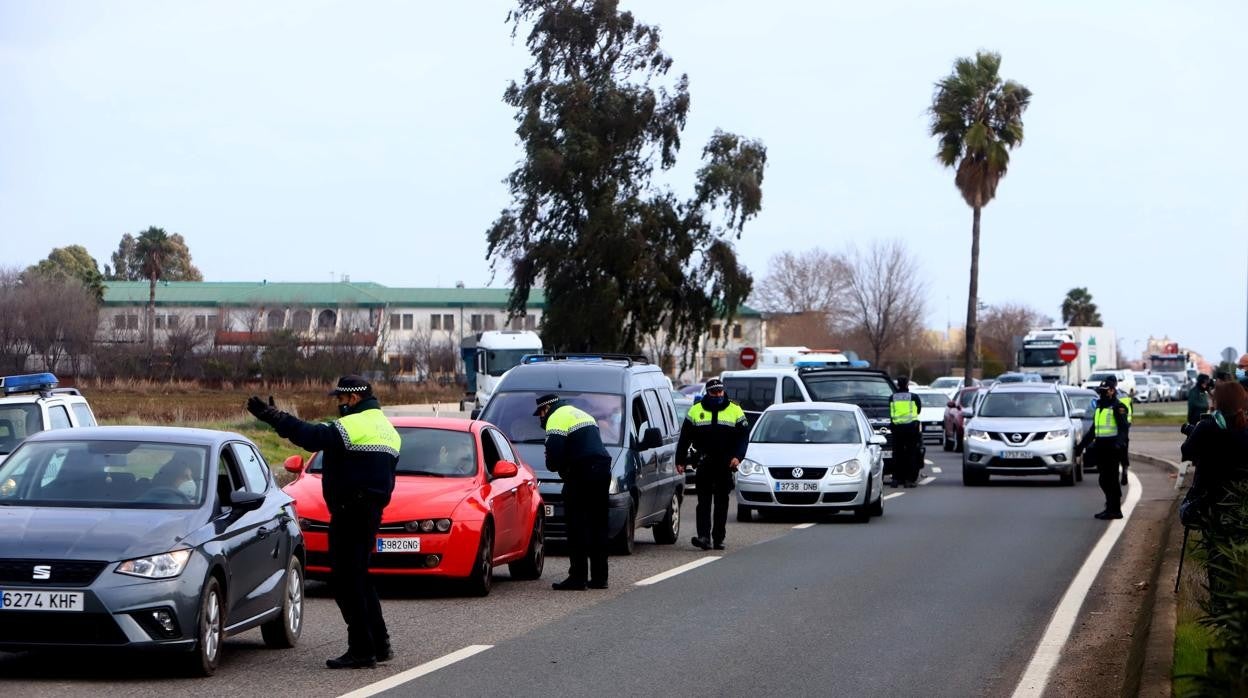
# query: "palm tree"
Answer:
x=153 y=248
x=1078 y=309
x=977 y=118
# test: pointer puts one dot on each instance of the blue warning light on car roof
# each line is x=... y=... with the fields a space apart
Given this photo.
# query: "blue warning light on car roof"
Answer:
x=27 y=383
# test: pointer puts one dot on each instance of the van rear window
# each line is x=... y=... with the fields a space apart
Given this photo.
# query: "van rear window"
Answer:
x=753 y=394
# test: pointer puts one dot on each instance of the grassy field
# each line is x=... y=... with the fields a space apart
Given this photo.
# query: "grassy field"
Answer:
x=1192 y=640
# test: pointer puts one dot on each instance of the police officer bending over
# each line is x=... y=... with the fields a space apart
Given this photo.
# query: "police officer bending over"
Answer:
x=359 y=454
x=718 y=429
x=1104 y=443
x=575 y=452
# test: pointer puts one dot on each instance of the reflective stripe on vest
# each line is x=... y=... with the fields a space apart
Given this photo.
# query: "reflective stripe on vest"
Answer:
x=567 y=419
x=1104 y=424
x=902 y=409
x=731 y=415
x=369 y=430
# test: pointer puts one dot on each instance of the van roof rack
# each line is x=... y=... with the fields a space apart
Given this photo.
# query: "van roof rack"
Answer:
x=627 y=359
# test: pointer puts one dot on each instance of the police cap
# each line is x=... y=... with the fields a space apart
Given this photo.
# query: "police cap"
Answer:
x=352 y=385
x=545 y=401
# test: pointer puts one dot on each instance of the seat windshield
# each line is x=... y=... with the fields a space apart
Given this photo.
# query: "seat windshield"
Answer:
x=1021 y=405
x=513 y=413
x=104 y=475
x=807 y=427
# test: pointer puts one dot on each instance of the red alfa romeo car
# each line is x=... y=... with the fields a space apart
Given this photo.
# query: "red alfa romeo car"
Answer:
x=462 y=504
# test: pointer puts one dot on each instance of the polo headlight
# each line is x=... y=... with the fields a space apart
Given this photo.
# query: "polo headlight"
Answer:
x=1057 y=434
x=162 y=566
x=978 y=435
x=750 y=467
x=850 y=468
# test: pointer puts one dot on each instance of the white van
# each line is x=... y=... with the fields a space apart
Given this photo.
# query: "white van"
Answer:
x=1126 y=379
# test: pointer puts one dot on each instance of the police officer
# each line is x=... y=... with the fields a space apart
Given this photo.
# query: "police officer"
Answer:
x=1123 y=457
x=575 y=452
x=359 y=454
x=717 y=428
x=903 y=412
x=1104 y=443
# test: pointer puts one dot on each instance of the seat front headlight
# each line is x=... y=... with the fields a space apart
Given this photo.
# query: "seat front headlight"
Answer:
x=750 y=467
x=1057 y=434
x=850 y=468
x=162 y=566
x=978 y=435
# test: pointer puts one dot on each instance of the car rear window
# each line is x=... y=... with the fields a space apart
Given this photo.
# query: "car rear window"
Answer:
x=851 y=389
x=752 y=394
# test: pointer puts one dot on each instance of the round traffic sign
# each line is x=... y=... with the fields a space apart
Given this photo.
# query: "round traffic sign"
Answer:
x=748 y=356
x=1067 y=351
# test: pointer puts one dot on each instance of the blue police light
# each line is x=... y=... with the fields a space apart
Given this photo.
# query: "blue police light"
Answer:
x=819 y=364
x=27 y=383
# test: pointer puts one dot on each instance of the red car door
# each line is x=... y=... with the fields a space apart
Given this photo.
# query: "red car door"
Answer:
x=503 y=494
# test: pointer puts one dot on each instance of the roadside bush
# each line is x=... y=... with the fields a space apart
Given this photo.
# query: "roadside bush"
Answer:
x=1226 y=567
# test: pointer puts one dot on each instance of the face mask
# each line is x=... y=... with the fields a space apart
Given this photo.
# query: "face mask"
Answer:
x=715 y=400
x=344 y=408
x=188 y=488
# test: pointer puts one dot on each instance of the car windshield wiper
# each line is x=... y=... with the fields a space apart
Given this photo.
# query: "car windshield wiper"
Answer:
x=428 y=473
x=540 y=440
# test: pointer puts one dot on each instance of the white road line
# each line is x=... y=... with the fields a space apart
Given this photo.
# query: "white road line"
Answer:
x=937 y=470
x=895 y=494
x=801 y=526
x=927 y=480
x=928 y=462
x=1049 y=651
x=678 y=570
x=416 y=672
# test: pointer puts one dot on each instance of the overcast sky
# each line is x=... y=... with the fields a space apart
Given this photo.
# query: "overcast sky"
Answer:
x=300 y=141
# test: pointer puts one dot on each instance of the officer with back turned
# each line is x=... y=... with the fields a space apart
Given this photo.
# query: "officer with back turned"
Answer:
x=903 y=412
x=359 y=454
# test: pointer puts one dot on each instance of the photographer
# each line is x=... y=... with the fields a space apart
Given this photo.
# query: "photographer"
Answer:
x=1198 y=399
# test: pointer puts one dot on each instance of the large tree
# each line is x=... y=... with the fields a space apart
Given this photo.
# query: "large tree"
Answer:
x=886 y=295
x=72 y=262
x=1079 y=310
x=620 y=257
x=1003 y=327
x=128 y=261
x=977 y=118
x=154 y=250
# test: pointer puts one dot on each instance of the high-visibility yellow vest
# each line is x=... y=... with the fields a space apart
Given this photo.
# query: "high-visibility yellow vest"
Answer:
x=568 y=419
x=903 y=409
x=369 y=430
x=1104 y=424
x=1126 y=400
x=731 y=415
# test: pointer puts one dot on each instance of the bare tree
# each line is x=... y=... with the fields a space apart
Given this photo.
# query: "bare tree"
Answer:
x=885 y=293
x=1001 y=326
x=55 y=314
x=812 y=328
x=812 y=281
x=13 y=345
x=182 y=342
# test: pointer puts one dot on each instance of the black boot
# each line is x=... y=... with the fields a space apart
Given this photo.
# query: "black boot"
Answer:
x=350 y=661
x=569 y=584
x=700 y=542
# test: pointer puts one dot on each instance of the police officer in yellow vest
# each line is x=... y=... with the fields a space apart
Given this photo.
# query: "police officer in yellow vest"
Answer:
x=717 y=428
x=1126 y=400
x=359 y=455
x=1104 y=443
x=903 y=411
x=575 y=452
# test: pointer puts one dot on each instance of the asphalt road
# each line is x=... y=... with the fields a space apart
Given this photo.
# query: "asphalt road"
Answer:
x=947 y=594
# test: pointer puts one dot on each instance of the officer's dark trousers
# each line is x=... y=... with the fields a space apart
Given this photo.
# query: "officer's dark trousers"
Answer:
x=907 y=457
x=1106 y=458
x=352 y=539
x=714 y=485
x=585 y=504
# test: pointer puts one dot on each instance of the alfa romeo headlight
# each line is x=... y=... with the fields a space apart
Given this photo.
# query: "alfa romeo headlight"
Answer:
x=750 y=467
x=849 y=467
x=162 y=566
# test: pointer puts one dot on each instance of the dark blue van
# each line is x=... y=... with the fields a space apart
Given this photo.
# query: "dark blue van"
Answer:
x=631 y=400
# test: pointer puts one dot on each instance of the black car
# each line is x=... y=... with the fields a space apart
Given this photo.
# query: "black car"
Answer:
x=146 y=537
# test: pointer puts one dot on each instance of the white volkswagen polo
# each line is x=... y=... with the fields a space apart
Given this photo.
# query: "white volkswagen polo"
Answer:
x=820 y=456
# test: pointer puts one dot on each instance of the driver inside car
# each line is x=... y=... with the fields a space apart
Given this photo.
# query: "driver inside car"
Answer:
x=176 y=474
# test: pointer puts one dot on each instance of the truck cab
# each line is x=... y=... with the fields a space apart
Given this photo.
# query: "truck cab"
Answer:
x=32 y=403
x=488 y=355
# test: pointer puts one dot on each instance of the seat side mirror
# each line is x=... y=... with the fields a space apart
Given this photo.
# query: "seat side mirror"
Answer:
x=652 y=438
x=294 y=464
x=504 y=468
x=245 y=501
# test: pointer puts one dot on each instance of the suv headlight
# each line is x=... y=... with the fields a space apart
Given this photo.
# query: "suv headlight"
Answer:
x=978 y=435
x=1057 y=434
x=750 y=467
x=850 y=468
x=162 y=566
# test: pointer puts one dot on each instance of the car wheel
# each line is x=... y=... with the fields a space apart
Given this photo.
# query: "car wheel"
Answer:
x=972 y=477
x=481 y=580
x=862 y=513
x=530 y=566
x=626 y=540
x=877 y=509
x=667 y=531
x=1078 y=469
x=283 y=632
x=1068 y=478
x=744 y=513
x=946 y=442
x=209 y=632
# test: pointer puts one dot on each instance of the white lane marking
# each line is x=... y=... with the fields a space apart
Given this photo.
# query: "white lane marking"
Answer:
x=927 y=480
x=678 y=570
x=928 y=462
x=801 y=526
x=937 y=470
x=895 y=494
x=1049 y=651
x=416 y=672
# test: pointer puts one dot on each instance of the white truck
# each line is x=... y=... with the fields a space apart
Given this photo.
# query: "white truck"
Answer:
x=488 y=355
x=1098 y=351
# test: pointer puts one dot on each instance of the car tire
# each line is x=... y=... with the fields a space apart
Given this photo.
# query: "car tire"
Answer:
x=1078 y=470
x=283 y=631
x=972 y=477
x=862 y=513
x=877 y=509
x=481 y=580
x=1068 y=478
x=534 y=561
x=626 y=540
x=667 y=531
x=205 y=657
x=744 y=513
x=946 y=442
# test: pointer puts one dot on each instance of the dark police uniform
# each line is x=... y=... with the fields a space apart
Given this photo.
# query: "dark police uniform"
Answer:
x=903 y=412
x=1104 y=443
x=359 y=455
x=575 y=452
x=719 y=431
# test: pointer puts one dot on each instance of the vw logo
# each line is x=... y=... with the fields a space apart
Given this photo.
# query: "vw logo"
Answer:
x=797 y=473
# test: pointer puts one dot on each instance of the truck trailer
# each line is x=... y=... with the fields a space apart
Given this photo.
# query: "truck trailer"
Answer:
x=1098 y=350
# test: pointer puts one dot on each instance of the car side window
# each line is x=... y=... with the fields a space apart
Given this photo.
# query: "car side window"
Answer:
x=255 y=472
x=790 y=392
x=641 y=420
x=656 y=414
x=504 y=448
x=83 y=413
x=58 y=417
x=489 y=450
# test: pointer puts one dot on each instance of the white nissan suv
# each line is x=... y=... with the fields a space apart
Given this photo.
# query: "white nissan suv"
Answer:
x=1020 y=429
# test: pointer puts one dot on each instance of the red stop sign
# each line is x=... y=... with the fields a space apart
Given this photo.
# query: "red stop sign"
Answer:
x=1068 y=351
x=748 y=356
